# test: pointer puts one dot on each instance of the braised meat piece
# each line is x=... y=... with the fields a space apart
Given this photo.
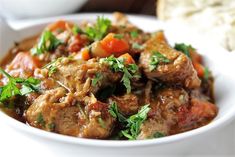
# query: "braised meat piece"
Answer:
x=165 y=105
x=173 y=111
x=77 y=76
x=60 y=112
x=179 y=69
x=127 y=104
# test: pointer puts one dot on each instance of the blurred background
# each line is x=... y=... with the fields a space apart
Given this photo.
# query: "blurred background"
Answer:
x=19 y=9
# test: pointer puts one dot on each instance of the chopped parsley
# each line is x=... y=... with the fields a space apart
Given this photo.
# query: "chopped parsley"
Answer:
x=184 y=48
x=40 y=120
x=137 y=46
x=157 y=58
x=158 y=135
x=134 y=34
x=99 y=30
x=47 y=42
x=118 y=36
x=76 y=30
x=101 y=122
x=206 y=73
x=113 y=110
x=51 y=126
x=11 y=89
x=129 y=71
x=96 y=79
x=134 y=122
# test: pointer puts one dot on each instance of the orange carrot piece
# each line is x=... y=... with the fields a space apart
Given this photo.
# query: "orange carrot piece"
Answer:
x=127 y=58
x=114 y=45
x=199 y=68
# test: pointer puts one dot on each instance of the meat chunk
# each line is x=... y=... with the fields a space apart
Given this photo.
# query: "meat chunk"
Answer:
x=200 y=113
x=77 y=76
x=60 y=112
x=173 y=111
x=178 y=71
x=165 y=105
x=127 y=104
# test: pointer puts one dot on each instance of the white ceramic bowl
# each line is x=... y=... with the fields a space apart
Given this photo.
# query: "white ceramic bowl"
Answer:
x=38 y=8
x=217 y=59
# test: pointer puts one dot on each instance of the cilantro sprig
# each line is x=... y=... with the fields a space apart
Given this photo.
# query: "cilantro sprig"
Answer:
x=129 y=71
x=157 y=58
x=99 y=30
x=47 y=42
x=12 y=89
x=132 y=124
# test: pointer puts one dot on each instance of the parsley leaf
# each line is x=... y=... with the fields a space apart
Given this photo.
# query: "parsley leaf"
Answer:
x=157 y=58
x=47 y=42
x=113 y=110
x=134 y=34
x=184 y=48
x=206 y=73
x=134 y=122
x=101 y=122
x=99 y=30
x=129 y=71
x=158 y=135
x=40 y=120
x=11 y=89
x=96 y=79
x=137 y=46
x=118 y=36
x=76 y=30
x=52 y=66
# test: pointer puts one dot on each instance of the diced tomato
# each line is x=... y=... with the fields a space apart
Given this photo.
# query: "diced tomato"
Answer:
x=199 y=68
x=127 y=58
x=76 y=44
x=25 y=61
x=114 y=45
x=84 y=54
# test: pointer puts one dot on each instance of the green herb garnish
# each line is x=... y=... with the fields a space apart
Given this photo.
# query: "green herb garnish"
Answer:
x=96 y=79
x=101 y=122
x=51 y=126
x=206 y=73
x=158 y=135
x=118 y=36
x=137 y=46
x=134 y=34
x=47 y=42
x=157 y=58
x=40 y=120
x=184 y=48
x=99 y=30
x=113 y=110
x=129 y=71
x=11 y=89
x=76 y=30
x=134 y=122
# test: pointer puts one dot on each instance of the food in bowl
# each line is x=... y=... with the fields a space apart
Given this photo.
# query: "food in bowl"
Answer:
x=106 y=80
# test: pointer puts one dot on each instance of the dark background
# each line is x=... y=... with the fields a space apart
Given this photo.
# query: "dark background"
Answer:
x=146 y=7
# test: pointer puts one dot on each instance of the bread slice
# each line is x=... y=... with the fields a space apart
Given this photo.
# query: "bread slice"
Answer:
x=213 y=18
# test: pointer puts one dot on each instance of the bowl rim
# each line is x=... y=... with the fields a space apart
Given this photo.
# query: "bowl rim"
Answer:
x=215 y=124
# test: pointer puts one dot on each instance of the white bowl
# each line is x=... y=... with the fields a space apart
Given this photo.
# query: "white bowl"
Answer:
x=38 y=8
x=217 y=59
